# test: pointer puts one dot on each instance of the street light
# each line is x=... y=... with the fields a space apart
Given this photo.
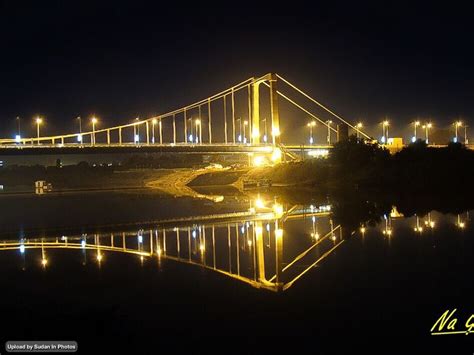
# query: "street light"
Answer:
x=265 y=137
x=427 y=127
x=456 y=126
x=199 y=129
x=153 y=123
x=385 y=125
x=39 y=121
x=239 y=138
x=359 y=127
x=311 y=125
x=94 y=121
x=415 y=124
x=18 y=136
x=328 y=123
x=79 y=137
x=191 y=136
x=136 y=130
x=245 y=124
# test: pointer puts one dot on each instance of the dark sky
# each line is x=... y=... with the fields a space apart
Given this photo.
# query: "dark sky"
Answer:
x=63 y=59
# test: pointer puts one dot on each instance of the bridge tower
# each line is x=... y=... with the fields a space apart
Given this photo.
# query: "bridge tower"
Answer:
x=271 y=78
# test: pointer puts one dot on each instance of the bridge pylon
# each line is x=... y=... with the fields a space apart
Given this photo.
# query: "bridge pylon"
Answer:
x=271 y=78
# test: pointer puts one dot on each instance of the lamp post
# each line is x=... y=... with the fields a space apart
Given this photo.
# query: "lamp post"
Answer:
x=245 y=125
x=415 y=124
x=39 y=121
x=239 y=138
x=385 y=125
x=456 y=126
x=19 y=127
x=359 y=127
x=191 y=136
x=153 y=123
x=79 y=137
x=199 y=129
x=136 y=131
x=265 y=137
x=311 y=125
x=328 y=123
x=427 y=127
x=94 y=121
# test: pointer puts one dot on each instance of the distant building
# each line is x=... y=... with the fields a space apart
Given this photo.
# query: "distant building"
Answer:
x=395 y=143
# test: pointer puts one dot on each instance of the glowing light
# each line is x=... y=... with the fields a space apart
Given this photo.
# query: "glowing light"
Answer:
x=154 y=121
x=158 y=251
x=22 y=248
x=276 y=132
x=140 y=239
x=141 y=257
x=249 y=243
x=268 y=227
x=44 y=262
x=259 y=203
x=278 y=210
x=279 y=233
x=137 y=138
x=83 y=243
x=462 y=225
x=194 y=234
x=318 y=153
x=94 y=120
x=265 y=138
x=359 y=125
x=385 y=123
x=333 y=237
x=99 y=257
x=313 y=218
x=432 y=224
x=239 y=138
x=39 y=120
x=311 y=140
x=18 y=138
x=259 y=160
x=276 y=155
x=79 y=138
x=198 y=121
x=242 y=229
x=362 y=230
x=382 y=139
x=413 y=139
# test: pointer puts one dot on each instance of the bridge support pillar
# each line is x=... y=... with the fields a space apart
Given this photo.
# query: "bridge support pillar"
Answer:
x=274 y=109
x=120 y=135
x=256 y=112
x=260 y=251
x=278 y=255
x=108 y=136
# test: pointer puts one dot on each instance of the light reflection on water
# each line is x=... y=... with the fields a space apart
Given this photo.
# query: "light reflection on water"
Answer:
x=268 y=245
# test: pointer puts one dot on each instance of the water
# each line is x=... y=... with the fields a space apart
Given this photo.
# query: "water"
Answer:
x=153 y=269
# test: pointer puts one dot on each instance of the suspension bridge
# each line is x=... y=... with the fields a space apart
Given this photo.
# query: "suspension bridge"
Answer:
x=247 y=246
x=244 y=118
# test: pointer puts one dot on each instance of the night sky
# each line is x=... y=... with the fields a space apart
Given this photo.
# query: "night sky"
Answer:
x=119 y=61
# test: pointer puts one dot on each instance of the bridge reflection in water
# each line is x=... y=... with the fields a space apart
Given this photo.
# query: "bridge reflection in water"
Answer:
x=246 y=246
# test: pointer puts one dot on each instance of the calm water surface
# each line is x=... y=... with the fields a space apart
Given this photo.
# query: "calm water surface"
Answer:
x=138 y=269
